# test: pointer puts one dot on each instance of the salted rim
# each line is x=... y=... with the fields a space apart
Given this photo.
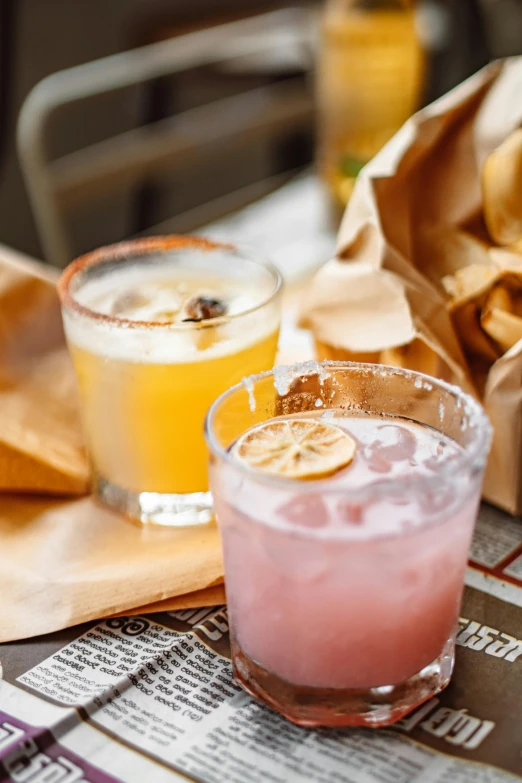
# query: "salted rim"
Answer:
x=472 y=456
x=134 y=248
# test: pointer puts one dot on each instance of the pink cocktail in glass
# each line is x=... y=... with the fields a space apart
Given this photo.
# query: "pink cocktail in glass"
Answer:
x=344 y=592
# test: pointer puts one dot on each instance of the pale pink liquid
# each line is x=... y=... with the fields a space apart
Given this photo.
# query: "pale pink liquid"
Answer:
x=326 y=591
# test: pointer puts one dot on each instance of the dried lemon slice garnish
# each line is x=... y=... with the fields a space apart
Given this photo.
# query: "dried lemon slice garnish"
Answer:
x=296 y=448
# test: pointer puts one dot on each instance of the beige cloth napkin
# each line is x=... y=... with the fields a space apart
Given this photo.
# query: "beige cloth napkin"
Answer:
x=65 y=560
x=414 y=219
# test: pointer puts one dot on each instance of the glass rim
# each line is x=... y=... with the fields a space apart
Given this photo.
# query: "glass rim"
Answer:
x=472 y=457
x=134 y=248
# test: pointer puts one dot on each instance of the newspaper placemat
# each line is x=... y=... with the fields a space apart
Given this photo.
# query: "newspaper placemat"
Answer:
x=153 y=698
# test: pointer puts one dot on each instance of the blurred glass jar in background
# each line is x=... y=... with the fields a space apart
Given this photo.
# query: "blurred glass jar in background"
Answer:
x=370 y=80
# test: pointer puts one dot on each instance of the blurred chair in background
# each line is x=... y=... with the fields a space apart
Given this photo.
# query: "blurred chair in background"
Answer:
x=192 y=159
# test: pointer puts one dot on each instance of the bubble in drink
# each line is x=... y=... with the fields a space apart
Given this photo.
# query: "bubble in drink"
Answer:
x=395 y=443
x=309 y=511
x=128 y=303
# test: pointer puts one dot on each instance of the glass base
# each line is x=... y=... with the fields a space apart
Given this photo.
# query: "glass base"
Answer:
x=156 y=508
x=372 y=707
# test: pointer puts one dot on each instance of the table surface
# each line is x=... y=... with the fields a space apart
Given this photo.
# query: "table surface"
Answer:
x=291 y=227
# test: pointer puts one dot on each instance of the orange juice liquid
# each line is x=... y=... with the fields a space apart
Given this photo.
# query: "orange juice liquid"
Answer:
x=144 y=421
x=147 y=383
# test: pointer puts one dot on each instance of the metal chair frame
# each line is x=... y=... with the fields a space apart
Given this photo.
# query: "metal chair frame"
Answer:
x=125 y=159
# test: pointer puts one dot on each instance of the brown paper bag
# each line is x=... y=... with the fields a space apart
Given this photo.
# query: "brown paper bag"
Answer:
x=66 y=561
x=415 y=218
x=210 y=596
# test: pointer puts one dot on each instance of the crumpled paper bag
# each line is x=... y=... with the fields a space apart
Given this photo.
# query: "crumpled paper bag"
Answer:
x=414 y=220
x=64 y=560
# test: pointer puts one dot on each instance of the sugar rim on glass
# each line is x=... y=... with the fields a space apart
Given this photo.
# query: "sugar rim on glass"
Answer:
x=471 y=458
x=131 y=250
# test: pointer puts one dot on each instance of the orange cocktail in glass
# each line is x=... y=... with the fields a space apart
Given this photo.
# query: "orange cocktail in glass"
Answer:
x=157 y=330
